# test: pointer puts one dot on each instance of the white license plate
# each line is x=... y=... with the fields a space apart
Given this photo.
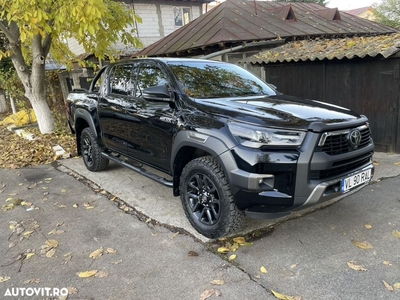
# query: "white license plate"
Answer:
x=355 y=180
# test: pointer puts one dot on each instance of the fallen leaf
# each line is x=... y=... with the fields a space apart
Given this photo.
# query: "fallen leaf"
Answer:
x=397 y=286
x=387 y=263
x=232 y=257
x=33 y=280
x=56 y=231
x=67 y=254
x=29 y=255
x=111 y=251
x=362 y=245
x=63 y=191
x=75 y=205
x=396 y=233
x=397 y=163
x=263 y=270
x=4 y=278
x=387 y=285
x=52 y=243
x=282 y=296
x=72 y=290
x=293 y=266
x=239 y=240
x=59 y=224
x=7 y=207
x=97 y=253
x=352 y=265
x=207 y=294
x=101 y=274
x=28 y=233
x=193 y=253
x=367 y=226
x=223 y=250
x=13 y=244
x=87 y=274
x=50 y=253
x=234 y=247
x=89 y=207
x=246 y=244
x=217 y=282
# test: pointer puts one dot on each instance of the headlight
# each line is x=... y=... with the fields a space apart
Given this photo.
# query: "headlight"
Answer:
x=256 y=137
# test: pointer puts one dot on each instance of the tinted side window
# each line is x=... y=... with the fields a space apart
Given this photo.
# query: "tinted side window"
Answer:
x=121 y=80
x=149 y=75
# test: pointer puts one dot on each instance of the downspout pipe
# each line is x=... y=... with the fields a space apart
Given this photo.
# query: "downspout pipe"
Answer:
x=245 y=46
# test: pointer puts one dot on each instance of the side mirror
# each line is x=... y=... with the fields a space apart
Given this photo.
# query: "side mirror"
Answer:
x=157 y=93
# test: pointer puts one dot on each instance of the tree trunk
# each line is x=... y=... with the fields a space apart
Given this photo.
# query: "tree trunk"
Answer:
x=43 y=114
x=34 y=82
x=3 y=103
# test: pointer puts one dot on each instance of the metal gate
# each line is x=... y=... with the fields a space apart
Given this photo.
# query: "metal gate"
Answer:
x=368 y=86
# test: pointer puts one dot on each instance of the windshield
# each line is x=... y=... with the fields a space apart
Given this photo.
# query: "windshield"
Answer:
x=217 y=80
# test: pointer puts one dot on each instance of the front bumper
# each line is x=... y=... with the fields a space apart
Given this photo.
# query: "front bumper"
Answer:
x=269 y=185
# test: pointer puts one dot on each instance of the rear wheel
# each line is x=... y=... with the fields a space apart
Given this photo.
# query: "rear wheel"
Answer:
x=91 y=152
x=207 y=198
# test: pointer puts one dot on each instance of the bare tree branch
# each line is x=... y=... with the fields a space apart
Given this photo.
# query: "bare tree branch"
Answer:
x=7 y=33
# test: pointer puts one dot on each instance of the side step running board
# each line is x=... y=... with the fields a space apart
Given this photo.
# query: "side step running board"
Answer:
x=140 y=170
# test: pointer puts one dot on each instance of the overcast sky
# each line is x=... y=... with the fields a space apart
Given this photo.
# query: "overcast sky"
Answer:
x=351 y=4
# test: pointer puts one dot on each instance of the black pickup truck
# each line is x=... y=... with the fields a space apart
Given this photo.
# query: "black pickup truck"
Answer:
x=230 y=143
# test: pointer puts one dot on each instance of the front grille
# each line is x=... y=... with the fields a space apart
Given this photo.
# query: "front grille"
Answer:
x=337 y=142
x=342 y=167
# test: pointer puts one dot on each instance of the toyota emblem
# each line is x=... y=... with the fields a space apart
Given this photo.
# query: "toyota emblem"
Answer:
x=354 y=138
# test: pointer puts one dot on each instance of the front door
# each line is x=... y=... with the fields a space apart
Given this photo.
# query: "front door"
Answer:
x=151 y=123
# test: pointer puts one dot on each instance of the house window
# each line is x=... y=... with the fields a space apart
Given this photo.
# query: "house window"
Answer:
x=182 y=15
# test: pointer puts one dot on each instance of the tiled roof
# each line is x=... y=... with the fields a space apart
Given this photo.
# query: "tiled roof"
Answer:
x=237 y=21
x=319 y=49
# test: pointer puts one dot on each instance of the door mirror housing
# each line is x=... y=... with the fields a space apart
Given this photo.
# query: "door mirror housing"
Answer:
x=157 y=93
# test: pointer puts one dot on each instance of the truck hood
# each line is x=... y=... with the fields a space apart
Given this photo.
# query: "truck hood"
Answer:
x=277 y=110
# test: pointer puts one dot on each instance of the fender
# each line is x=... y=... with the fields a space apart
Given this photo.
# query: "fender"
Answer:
x=84 y=118
x=210 y=144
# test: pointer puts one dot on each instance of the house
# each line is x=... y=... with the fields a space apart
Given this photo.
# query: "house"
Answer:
x=237 y=29
x=363 y=12
x=159 y=19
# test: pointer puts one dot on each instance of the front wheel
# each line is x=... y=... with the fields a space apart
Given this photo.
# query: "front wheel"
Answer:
x=91 y=152
x=207 y=199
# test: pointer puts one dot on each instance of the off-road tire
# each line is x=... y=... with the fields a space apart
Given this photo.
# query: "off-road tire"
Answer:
x=207 y=199
x=91 y=152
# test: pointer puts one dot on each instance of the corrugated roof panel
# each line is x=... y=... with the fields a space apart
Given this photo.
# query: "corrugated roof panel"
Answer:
x=385 y=45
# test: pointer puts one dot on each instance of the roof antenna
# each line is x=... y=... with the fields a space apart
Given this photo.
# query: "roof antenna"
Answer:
x=255 y=7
